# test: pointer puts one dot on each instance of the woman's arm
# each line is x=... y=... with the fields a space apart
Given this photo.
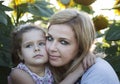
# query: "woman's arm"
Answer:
x=18 y=76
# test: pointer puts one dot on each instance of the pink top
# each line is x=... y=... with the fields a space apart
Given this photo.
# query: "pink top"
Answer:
x=46 y=79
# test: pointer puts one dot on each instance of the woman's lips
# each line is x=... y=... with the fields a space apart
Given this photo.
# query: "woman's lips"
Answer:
x=53 y=57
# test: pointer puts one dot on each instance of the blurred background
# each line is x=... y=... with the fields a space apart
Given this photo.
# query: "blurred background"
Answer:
x=105 y=15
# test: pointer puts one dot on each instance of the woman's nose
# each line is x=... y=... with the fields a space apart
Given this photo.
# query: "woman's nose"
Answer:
x=53 y=46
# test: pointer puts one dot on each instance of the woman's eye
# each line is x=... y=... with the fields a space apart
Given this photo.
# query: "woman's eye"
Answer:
x=64 y=42
x=49 y=38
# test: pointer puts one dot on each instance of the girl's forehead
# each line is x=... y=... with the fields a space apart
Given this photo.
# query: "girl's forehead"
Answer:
x=33 y=36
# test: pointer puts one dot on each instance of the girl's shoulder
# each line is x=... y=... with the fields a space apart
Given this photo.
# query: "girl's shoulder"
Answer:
x=17 y=71
x=20 y=76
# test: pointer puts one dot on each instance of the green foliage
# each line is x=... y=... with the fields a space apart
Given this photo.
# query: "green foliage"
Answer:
x=5 y=29
x=113 y=55
x=87 y=9
x=4 y=72
x=5 y=58
x=65 y=1
x=113 y=52
x=3 y=16
x=113 y=33
x=111 y=46
x=40 y=9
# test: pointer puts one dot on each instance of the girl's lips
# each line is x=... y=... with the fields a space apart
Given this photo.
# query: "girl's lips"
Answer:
x=38 y=56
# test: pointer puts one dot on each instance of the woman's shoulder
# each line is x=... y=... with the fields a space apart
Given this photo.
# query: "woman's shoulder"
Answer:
x=101 y=66
x=101 y=71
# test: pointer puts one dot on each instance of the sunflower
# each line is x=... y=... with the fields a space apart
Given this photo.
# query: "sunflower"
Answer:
x=85 y=2
x=15 y=3
x=16 y=13
x=100 y=22
x=117 y=7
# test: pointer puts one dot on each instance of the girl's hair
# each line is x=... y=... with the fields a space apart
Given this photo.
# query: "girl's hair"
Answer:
x=17 y=39
x=84 y=30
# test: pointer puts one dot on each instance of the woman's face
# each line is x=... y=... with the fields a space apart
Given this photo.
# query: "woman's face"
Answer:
x=61 y=45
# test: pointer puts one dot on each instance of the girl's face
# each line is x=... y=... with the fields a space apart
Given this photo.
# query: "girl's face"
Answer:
x=33 y=50
x=61 y=45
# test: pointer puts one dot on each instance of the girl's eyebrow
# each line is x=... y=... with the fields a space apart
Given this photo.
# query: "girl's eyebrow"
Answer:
x=41 y=40
x=27 y=42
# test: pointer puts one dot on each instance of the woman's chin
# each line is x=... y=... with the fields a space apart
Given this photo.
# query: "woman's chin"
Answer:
x=55 y=64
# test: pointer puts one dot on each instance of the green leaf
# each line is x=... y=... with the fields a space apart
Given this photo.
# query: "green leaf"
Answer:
x=5 y=59
x=87 y=9
x=1 y=2
x=113 y=33
x=34 y=10
x=4 y=8
x=3 y=18
x=42 y=2
x=40 y=9
x=65 y=1
x=114 y=61
x=22 y=8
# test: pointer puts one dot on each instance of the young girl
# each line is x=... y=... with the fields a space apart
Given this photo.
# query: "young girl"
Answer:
x=29 y=45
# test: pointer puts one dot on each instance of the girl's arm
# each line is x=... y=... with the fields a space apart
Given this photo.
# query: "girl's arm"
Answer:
x=18 y=76
x=88 y=61
x=72 y=77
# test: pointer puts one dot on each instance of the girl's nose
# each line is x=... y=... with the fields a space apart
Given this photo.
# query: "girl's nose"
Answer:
x=37 y=48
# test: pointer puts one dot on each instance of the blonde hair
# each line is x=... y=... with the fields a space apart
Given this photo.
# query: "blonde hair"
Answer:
x=84 y=30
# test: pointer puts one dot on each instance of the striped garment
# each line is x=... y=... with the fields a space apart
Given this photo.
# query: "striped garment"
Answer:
x=46 y=79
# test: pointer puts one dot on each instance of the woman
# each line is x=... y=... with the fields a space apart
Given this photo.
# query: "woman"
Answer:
x=71 y=35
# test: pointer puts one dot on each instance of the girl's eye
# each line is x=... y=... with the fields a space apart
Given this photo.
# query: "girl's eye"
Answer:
x=49 y=38
x=42 y=44
x=64 y=42
x=28 y=46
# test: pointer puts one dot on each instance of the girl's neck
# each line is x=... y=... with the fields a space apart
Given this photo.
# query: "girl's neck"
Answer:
x=39 y=70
